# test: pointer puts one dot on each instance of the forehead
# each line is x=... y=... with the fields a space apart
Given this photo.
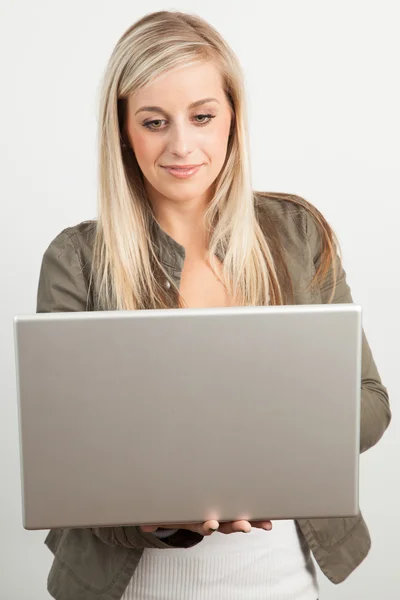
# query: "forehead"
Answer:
x=181 y=86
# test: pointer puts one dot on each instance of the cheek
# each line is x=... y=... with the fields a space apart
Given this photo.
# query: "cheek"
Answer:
x=218 y=142
x=145 y=148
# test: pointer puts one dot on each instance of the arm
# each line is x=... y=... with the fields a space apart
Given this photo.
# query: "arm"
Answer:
x=375 y=409
x=62 y=288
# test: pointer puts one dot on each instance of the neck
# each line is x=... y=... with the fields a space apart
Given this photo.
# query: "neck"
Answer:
x=183 y=221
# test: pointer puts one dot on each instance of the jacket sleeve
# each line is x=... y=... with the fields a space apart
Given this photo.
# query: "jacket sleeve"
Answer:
x=62 y=288
x=375 y=408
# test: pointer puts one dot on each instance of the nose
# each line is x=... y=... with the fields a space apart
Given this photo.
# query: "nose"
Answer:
x=181 y=140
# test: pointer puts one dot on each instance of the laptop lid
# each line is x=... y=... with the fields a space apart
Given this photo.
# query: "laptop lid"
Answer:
x=168 y=416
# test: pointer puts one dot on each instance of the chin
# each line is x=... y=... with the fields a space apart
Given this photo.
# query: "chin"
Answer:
x=183 y=195
x=183 y=191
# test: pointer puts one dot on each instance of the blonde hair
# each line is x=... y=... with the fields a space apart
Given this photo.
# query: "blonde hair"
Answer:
x=127 y=272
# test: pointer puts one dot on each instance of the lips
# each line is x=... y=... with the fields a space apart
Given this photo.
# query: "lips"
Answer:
x=180 y=166
x=183 y=172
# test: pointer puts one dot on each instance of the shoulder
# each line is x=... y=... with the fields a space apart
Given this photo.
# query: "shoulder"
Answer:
x=298 y=226
x=74 y=240
x=65 y=270
x=287 y=215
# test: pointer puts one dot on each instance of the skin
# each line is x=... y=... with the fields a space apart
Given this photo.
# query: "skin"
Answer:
x=180 y=135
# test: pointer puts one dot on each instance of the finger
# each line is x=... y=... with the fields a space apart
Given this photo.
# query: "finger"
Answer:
x=267 y=525
x=206 y=528
x=235 y=527
x=149 y=528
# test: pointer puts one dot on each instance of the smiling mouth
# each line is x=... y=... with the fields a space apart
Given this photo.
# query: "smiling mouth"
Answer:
x=180 y=167
x=183 y=172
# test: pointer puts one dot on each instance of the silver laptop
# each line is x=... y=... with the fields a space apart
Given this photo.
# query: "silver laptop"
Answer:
x=185 y=415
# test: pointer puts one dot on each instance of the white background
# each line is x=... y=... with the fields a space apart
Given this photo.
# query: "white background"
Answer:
x=322 y=81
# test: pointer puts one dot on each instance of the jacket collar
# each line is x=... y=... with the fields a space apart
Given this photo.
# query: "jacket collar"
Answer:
x=171 y=254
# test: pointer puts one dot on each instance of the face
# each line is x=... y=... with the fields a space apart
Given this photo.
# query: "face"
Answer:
x=181 y=118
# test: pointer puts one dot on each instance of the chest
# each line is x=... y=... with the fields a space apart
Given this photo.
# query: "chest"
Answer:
x=201 y=288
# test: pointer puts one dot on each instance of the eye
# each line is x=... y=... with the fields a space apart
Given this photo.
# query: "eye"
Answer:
x=152 y=125
x=209 y=117
x=155 y=125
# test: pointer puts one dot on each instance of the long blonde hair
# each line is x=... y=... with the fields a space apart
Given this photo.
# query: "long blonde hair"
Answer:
x=127 y=272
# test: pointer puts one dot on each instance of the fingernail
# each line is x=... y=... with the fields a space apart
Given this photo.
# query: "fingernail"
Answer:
x=212 y=529
x=244 y=531
x=268 y=527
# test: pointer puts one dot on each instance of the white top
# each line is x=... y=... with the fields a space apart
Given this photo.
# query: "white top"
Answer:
x=259 y=565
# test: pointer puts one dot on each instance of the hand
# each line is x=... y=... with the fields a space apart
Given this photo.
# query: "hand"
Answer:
x=209 y=527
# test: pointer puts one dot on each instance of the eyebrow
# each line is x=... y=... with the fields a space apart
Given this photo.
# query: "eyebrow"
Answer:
x=159 y=109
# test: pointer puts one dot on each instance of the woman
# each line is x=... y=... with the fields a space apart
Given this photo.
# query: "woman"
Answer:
x=180 y=226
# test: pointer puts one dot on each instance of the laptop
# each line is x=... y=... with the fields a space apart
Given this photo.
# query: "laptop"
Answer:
x=185 y=415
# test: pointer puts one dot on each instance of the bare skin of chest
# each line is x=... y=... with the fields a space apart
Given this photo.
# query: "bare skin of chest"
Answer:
x=200 y=288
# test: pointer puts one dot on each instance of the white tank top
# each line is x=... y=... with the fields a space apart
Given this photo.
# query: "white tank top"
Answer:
x=259 y=565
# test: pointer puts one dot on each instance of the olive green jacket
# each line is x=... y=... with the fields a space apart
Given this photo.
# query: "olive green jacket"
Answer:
x=97 y=563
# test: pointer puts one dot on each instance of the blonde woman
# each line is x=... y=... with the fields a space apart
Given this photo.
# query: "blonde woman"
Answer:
x=179 y=225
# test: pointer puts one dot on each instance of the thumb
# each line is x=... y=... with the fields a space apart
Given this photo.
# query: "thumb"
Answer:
x=206 y=528
x=149 y=528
